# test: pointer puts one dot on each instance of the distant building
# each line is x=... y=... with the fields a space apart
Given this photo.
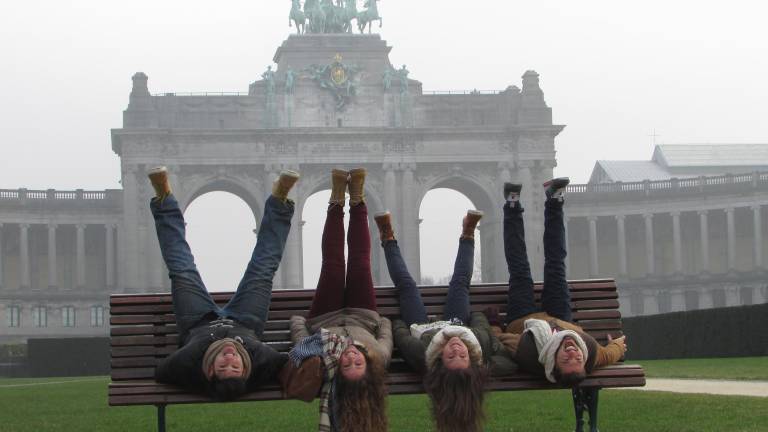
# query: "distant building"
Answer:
x=685 y=161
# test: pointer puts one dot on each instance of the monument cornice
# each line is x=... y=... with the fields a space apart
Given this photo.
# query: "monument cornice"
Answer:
x=324 y=134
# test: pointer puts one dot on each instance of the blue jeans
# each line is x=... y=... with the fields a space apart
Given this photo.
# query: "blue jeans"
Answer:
x=555 y=298
x=192 y=303
x=411 y=305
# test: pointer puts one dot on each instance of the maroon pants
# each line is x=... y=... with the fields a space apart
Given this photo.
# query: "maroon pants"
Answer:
x=333 y=292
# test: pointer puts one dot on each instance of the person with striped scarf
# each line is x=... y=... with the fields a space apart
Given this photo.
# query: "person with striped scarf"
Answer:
x=343 y=327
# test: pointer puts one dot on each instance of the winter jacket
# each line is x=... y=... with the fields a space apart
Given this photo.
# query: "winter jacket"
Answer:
x=522 y=347
x=413 y=349
x=362 y=325
x=184 y=367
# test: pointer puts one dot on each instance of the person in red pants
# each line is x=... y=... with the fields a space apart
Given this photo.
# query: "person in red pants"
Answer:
x=343 y=328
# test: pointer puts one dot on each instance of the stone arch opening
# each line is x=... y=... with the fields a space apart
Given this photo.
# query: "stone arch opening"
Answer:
x=221 y=233
x=488 y=246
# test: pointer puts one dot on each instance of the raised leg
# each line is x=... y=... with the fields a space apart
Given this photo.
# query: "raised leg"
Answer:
x=359 y=286
x=411 y=305
x=329 y=295
x=520 y=299
x=191 y=301
x=555 y=298
x=457 y=301
x=250 y=304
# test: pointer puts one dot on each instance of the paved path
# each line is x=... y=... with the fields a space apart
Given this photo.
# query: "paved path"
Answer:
x=716 y=387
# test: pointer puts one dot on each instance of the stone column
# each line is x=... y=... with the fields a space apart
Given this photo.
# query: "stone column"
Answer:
x=128 y=232
x=80 y=257
x=290 y=266
x=677 y=245
x=594 y=268
x=109 y=256
x=731 y=229
x=24 y=255
x=2 y=284
x=410 y=211
x=758 y=231
x=622 y=244
x=650 y=270
x=390 y=190
x=704 y=241
x=52 y=270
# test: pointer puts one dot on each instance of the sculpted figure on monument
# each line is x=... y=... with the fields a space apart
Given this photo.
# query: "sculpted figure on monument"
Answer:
x=402 y=75
x=297 y=16
x=290 y=77
x=269 y=80
x=314 y=12
x=368 y=16
x=386 y=78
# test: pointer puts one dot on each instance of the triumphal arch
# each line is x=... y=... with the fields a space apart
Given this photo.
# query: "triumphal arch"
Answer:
x=334 y=100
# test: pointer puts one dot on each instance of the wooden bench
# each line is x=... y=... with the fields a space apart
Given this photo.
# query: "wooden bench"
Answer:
x=143 y=331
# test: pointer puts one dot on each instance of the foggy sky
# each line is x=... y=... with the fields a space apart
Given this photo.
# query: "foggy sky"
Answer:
x=613 y=72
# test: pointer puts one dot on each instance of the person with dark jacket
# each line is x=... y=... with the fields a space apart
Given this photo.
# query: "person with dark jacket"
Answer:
x=546 y=342
x=343 y=327
x=219 y=348
x=453 y=353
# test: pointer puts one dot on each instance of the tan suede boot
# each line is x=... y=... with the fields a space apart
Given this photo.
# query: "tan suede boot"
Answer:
x=384 y=222
x=470 y=223
x=339 y=180
x=283 y=184
x=158 y=176
x=357 y=186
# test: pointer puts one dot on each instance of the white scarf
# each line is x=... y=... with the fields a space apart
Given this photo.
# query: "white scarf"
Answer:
x=436 y=345
x=548 y=340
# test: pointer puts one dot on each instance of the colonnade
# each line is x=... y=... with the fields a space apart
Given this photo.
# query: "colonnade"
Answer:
x=24 y=276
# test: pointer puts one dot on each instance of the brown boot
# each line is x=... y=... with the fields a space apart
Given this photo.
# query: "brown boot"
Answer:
x=339 y=180
x=384 y=222
x=283 y=184
x=158 y=176
x=357 y=186
x=470 y=223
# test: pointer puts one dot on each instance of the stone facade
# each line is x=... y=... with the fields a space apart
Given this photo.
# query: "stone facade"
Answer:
x=67 y=251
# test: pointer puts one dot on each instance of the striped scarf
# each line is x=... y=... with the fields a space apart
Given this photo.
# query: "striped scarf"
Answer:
x=329 y=346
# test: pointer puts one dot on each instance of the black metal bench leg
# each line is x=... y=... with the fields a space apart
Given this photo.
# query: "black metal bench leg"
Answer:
x=161 y=418
x=585 y=398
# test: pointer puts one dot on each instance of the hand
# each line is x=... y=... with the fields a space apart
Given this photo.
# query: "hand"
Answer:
x=492 y=313
x=622 y=342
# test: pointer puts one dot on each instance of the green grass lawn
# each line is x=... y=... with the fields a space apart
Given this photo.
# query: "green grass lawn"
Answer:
x=743 y=368
x=81 y=405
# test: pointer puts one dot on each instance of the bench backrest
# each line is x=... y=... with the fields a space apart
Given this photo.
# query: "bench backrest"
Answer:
x=143 y=328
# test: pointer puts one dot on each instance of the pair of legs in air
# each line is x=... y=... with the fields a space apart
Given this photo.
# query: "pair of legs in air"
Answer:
x=192 y=303
x=412 y=309
x=555 y=299
x=335 y=290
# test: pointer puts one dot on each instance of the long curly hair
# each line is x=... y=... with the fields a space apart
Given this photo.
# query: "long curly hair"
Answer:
x=362 y=403
x=457 y=397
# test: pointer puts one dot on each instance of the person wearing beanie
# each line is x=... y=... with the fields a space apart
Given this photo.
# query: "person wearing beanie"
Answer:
x=545 y=342
x=219 y=348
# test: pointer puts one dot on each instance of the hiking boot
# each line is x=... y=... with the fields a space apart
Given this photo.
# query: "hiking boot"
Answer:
x=384 y=222
x=556 y=188
x=512 y=192
x=469 y=224
x=339 y=180
x=357 y=186
x=283 y=184
x=158 y=176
